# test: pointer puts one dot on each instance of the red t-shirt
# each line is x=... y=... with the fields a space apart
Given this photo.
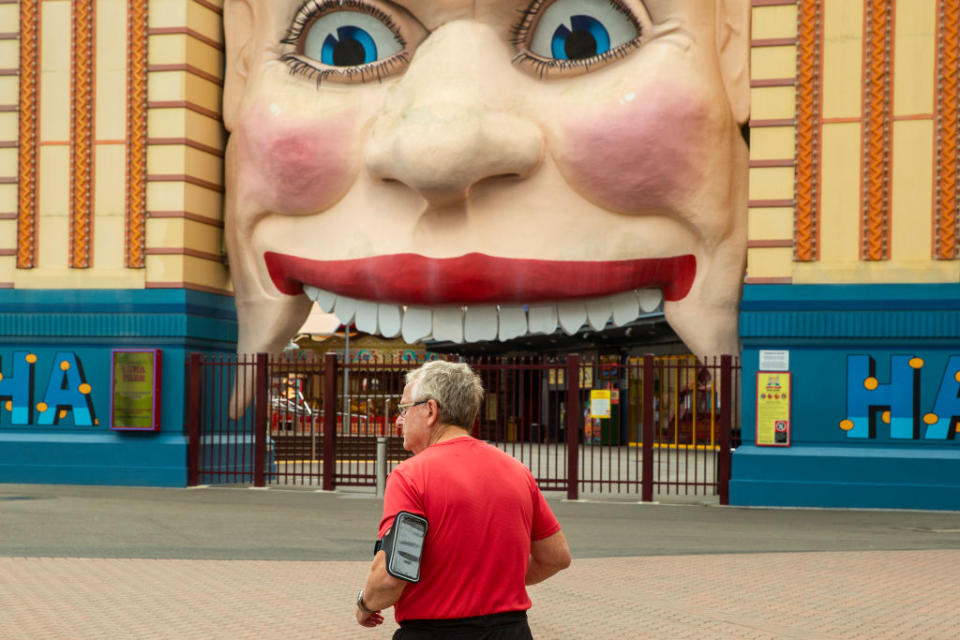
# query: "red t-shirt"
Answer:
x=484 y=509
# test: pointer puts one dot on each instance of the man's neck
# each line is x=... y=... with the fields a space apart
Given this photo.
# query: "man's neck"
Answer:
x=449 y=432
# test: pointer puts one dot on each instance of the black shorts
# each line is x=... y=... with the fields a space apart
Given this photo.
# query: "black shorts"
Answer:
x=510 y=625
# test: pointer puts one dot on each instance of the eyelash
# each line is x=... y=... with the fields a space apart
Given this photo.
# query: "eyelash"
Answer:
x=520 y=34
x=312 y=9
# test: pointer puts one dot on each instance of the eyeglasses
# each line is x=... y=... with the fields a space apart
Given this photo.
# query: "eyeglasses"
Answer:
x=404 y=406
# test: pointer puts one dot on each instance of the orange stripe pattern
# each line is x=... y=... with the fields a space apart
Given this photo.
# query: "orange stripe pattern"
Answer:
x=27 y=162
x=876 y=148
x=948 y=132
x=81 y=140
x=809 y=45
x=136 y=133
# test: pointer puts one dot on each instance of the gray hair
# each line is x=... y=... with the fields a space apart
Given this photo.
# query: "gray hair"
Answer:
x=457 y=390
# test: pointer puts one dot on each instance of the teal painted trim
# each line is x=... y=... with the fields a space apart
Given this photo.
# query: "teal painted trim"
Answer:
x=846 y=476
x=850 y=324
x=102 y=437
x=142 y=314
x=847 y=462
x=104 y=474
x=848 y=495
x=108 y=458
x=92 y=324
x=189 y=343
x=117 y=301
x=890 y=297
x=856 y=312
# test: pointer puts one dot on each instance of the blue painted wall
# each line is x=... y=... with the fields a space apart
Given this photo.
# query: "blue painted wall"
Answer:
x=874 y=385
x=48 y=327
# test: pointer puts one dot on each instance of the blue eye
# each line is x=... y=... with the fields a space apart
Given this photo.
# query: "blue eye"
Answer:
x=587 y=39
x=349 y=39
x=582 y=29
x=352 y=46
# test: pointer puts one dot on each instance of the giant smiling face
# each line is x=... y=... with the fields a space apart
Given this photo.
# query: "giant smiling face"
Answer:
x=484 y=169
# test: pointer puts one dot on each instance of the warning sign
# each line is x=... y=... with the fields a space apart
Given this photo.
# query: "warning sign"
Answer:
x=773 y=409
x=600 y=403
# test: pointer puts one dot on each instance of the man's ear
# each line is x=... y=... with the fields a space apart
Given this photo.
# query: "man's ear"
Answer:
x=733 y=52
x=239 y=33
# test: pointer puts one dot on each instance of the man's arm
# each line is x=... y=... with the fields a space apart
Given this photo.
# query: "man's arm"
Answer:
x=380 y=591
x=547 y=557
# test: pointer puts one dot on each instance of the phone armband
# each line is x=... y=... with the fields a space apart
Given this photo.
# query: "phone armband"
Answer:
x=403 y=545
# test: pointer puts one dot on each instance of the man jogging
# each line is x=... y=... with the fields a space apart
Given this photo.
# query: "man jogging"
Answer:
x=465 y=527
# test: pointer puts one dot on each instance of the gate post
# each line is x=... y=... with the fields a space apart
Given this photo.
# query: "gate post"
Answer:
x=381 y=465
x=260 y=416
x=573 y=426
x=195 y=380
x=647 y=431
x=726 y=408
x=329 y=420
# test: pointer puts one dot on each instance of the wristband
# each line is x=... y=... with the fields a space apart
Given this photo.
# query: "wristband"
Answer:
x=361 y=606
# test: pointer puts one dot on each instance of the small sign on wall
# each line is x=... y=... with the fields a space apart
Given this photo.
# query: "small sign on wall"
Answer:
x=774 y=360
x=773 y=409
x=135 y=389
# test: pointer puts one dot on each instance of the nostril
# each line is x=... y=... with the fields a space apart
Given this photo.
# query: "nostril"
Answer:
x=499 y=177
x=495 y=180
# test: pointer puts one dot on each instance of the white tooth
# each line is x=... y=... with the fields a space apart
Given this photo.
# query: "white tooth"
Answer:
x=626 y=307
x=513 y=321
x=345 y=309
x=417 y=324
x=650 y=299
x=389 y=318
x=448 y=324
x=325 y=300
x=542 y=318
x=599 y=311
x=572 y=315
x=367 y=316
x=480 y=323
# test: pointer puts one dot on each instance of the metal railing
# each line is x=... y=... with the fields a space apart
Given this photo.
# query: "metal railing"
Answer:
x=665 y=425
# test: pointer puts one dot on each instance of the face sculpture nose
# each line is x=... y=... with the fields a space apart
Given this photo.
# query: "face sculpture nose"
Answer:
x=446 y=125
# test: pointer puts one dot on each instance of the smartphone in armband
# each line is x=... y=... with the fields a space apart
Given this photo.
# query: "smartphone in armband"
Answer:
x=403 y=545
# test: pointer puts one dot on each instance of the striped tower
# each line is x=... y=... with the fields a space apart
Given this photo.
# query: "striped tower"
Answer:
x=111 y=224
x=854 y=252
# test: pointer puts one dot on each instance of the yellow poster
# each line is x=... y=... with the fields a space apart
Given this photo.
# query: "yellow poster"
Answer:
x=600 y=403
x=773 y=409
x=136 y=390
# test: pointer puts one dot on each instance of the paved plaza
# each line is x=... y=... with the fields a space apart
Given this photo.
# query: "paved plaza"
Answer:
x=80 y=563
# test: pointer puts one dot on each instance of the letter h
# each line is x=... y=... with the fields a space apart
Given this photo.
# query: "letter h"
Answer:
x=896 y=403
x=18 y=389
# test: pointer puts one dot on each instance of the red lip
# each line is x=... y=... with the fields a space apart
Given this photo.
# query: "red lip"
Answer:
x=408 y=278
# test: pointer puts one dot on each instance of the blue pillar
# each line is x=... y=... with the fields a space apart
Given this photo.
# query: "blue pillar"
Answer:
x=55 y=360
x=875 y=372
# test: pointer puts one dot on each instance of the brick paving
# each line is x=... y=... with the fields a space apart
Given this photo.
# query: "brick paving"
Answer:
x=873 y=595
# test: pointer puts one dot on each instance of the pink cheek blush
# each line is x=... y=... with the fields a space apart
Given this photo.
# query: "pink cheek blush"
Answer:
x=641 y=155
x=294 y=168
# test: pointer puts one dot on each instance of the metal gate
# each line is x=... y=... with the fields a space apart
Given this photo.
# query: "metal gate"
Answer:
x=653 y=426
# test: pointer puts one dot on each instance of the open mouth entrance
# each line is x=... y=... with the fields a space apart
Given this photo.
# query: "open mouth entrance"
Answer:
x=476 y=297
